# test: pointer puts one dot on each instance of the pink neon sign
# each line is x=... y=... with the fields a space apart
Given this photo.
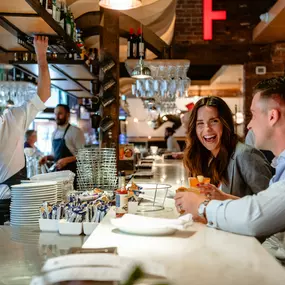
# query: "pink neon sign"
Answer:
x=210 y=16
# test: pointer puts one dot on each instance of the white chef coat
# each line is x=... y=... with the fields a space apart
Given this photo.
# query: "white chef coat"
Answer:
x=13 y=124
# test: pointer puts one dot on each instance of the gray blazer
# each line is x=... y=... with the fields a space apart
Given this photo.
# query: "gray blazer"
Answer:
x=248 y=171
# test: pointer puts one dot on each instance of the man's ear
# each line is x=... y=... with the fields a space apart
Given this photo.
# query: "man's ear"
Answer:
x=273 y=116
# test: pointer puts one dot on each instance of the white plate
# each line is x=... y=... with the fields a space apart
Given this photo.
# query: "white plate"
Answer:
x=32 y=191
x=34 y=185
x=35 y=197
x=141 y=230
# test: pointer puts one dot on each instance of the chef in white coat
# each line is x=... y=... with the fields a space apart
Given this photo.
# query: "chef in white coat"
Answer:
x=15 y=121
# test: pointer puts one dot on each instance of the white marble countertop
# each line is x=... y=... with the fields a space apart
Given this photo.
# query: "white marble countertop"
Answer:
x=200 y=255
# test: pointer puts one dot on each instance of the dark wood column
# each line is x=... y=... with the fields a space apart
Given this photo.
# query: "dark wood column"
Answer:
x=109 y=45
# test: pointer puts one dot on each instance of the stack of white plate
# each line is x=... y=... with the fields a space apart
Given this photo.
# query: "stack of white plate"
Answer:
x=26 y=200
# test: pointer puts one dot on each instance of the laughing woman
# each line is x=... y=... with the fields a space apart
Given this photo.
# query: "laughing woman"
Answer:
x=213 y=150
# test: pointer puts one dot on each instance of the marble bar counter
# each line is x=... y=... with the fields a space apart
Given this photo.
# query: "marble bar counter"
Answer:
x=198 y=255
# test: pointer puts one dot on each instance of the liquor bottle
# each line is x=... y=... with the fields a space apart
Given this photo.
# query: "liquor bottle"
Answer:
x=132 y=44
x=49 y=6
x=72 y=25
x=141 y=45
x=62 y=14
x=68 y=22
x=74 y=34
x=121 y=196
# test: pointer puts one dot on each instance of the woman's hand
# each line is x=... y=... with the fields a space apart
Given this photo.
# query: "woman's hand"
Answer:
x=213 y=193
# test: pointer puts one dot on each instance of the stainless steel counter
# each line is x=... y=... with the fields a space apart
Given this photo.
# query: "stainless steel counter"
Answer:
x=23 y=252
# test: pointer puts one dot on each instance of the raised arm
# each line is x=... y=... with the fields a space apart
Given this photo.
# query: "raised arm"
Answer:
x=41 y=45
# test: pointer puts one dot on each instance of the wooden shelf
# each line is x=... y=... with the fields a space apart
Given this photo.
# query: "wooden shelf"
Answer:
x=71 y=76
x=41 y=11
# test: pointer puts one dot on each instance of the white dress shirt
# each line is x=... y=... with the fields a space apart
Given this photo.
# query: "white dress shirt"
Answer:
x=74 y=138
x=13 y=124
x=257 y=215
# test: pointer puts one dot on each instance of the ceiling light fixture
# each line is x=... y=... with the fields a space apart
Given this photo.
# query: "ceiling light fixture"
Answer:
x=141 y=71
x=120 y=4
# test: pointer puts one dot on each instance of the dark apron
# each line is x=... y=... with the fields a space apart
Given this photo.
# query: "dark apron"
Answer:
x=60 y=151
x=5 y=204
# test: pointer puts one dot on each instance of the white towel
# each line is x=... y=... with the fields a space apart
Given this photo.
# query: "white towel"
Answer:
x=148 y=222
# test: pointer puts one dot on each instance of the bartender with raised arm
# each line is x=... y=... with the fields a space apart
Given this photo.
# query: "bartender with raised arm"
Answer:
x=15 y=121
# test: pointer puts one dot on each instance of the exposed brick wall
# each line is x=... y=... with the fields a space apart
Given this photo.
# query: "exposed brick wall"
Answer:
x=274 y=68
x=242 y=17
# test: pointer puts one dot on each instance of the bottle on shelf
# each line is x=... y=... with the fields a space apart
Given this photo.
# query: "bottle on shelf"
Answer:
x=140 y=45
x=68 y=23
x=121 y=196
x=74 y=32
x=72 y=25
x=49 y=6
x=132 y=44
x=62 y=13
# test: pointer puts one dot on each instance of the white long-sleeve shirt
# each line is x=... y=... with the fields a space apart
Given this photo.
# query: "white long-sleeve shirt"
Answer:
x=257 y=215
x=13 y=124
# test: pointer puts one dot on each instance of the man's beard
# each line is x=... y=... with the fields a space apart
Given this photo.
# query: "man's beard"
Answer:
x=61 y=122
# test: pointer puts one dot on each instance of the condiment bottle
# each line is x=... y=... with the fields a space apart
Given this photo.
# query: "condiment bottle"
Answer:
x=121 y=196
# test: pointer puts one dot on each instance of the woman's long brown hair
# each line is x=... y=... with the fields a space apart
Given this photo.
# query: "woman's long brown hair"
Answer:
x=197 y=157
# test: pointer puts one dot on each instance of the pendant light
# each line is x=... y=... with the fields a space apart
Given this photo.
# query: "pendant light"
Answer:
x=120 y=4
x=141 y=71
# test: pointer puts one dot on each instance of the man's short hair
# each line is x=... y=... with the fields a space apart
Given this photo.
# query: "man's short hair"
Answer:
x=28 y=134
x=66 y=107
x=270 y=88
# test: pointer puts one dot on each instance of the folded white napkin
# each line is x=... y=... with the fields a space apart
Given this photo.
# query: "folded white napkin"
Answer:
x=148 y=222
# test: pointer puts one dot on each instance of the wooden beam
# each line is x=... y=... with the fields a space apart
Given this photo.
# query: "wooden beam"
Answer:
x=28 y=15
x=110 y=44
x=213 y=54
x=271 y=31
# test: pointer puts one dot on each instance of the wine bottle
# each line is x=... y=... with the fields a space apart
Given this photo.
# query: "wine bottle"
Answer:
x=68 y=22
x=141 y=45
x=132 y=44
x=62 y=14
